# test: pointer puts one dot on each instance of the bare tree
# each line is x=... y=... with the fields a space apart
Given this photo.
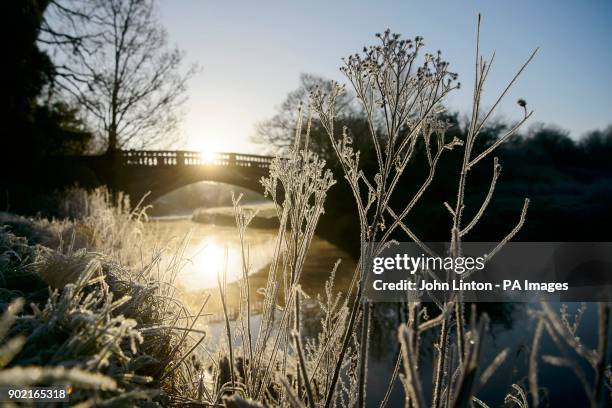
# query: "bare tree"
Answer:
x=113 y=60
x=278 y=132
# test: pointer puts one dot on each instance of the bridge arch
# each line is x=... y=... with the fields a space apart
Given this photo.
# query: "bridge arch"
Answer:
x=160 y=172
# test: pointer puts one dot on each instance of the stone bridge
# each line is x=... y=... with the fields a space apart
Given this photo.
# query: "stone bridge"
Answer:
x=158 y=172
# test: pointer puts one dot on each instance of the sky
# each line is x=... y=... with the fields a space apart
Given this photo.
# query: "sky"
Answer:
x=251 y=54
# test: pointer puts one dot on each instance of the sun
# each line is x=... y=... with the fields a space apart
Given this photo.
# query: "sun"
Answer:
x=208 y=149
x=208 y=156
x=210 y=262
x=212 y=259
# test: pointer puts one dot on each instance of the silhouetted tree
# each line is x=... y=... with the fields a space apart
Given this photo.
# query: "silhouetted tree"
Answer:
x=597 y=146
x=61 y=129
x=31 y=124
x=114 y=61
x=27 y=70
x=278 y=132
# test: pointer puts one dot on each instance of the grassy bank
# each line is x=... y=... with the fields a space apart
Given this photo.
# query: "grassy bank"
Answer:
x=82 y=306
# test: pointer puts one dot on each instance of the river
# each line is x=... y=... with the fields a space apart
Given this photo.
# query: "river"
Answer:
x=212 y=249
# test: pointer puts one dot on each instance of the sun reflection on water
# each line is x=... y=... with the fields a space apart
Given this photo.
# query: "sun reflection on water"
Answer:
x=210 y=258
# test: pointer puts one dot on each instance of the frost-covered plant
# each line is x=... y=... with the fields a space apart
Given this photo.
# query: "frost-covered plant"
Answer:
x=31 y=375
x=256 y=364
x=573 y=351
x=102 y=222
x=401 y=89
x=77 y=339
x=99 y=317
x=304 y=184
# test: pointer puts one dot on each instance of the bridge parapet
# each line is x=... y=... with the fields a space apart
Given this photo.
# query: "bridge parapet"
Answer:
x=155 y=158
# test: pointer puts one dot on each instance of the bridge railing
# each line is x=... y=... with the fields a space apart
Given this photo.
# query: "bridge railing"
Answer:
x=154 y=158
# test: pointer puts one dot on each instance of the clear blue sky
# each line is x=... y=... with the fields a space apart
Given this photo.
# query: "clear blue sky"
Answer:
x=252 y=53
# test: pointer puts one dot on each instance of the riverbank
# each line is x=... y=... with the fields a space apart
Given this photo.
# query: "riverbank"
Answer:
x=83 y=304
x=265 y=218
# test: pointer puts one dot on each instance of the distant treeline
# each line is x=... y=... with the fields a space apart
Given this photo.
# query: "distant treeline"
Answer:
x=568 y=182
x=568 y=178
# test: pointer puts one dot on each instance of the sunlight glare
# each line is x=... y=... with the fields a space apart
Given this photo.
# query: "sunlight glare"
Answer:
x=208 y=156
x=208 y=259
x=211 y=262
x=207 y=148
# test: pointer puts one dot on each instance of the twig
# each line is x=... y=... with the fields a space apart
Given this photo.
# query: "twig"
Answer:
x=533 y=364
x=409 y=358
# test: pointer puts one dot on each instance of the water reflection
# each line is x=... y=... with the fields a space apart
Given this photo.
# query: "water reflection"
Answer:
x=211 y=250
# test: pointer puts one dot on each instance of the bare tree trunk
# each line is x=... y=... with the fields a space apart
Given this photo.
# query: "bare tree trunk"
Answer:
x=112 y=140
